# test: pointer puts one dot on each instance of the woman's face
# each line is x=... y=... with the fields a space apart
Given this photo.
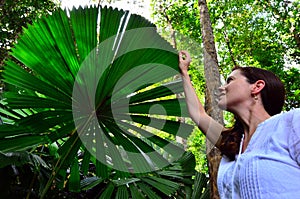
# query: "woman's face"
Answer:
x=235 y=93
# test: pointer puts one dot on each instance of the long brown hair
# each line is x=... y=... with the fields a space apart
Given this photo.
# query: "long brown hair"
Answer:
x=273 y=97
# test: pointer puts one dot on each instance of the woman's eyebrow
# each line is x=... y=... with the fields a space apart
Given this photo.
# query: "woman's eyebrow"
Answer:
x=229 y=78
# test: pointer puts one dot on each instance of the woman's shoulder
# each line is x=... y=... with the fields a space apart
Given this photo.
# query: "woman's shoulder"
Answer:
x=287 y=119
x=291 y=116
x=295 y=111
x=295 y=114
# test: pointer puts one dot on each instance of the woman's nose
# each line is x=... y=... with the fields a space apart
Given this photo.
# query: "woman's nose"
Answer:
x=221 y=88
x=219 y=91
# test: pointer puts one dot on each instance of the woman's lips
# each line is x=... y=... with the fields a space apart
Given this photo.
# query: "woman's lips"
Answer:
x=218 y=95
x=221 y=95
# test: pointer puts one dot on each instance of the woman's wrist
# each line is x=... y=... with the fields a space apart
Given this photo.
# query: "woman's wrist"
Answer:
x=184 y=74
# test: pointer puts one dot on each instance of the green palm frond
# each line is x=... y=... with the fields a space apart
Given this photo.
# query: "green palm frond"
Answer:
x=172 y=180
x=96 y=81
x=201 y=187
x=21 y=158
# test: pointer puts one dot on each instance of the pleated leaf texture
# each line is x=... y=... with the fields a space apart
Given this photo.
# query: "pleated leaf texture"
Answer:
x=99 y=82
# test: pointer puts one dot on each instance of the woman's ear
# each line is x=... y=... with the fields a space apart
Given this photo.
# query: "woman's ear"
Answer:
x=258 y=86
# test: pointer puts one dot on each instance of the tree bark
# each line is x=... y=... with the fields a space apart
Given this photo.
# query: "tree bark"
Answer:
x=212 y=76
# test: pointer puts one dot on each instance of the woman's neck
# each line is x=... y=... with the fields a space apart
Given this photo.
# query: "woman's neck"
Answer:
x=250 y=119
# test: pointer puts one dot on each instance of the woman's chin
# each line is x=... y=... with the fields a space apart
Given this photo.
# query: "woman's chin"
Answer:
x=221 y=105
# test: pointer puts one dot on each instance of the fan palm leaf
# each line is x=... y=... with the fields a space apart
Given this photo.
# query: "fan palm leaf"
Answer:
x=172 y=180
x=96 y=81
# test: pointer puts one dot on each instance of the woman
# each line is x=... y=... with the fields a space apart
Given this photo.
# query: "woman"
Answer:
x=261 y=153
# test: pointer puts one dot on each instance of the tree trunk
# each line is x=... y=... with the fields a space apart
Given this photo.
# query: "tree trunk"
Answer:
x=212 y=76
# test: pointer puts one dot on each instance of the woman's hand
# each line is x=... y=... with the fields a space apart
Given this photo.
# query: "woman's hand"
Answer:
x=184 y=61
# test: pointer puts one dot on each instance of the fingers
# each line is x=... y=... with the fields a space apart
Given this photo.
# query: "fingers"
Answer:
x=184 y=55
x=184 y=61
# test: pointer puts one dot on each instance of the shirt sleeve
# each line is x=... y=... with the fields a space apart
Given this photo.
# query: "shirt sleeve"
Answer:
x=295 y=136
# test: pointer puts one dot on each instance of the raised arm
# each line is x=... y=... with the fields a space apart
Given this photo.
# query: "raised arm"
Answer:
x=211 y=128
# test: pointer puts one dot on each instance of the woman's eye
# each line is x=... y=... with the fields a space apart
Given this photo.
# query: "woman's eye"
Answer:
x=228 y=80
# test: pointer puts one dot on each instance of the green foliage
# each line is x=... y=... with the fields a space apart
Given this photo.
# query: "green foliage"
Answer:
x=291 y=80
x=246 y=30
x=201 y=187
x=259 y=33
x=21 y=158
x=183 y=18
x=14 y=15
x=196 y=144
x=60 y=54
x=182 y=15
x=176 y=180
x=22 y=171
